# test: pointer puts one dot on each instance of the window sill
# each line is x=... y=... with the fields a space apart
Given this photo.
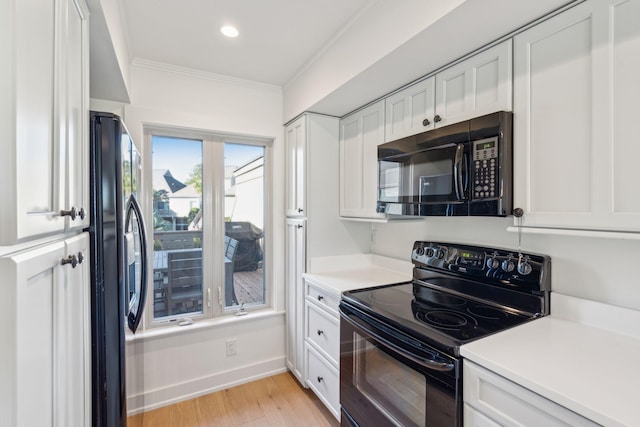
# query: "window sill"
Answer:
x=198 y=325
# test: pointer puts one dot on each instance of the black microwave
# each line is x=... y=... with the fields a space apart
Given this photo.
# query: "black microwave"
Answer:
x=463 y=169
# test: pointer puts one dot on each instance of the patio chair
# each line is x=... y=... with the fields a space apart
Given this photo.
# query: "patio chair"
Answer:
x=184 y=290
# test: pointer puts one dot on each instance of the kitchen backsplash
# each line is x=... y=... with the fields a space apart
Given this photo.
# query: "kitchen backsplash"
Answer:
x=582 y=266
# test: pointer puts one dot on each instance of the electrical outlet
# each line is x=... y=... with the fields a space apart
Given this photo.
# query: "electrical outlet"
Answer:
x=232 y=347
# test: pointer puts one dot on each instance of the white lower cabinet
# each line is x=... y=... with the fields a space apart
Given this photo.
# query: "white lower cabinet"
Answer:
x=322 y=345
x=45 y=364
x=492 y=400
x=324 y=379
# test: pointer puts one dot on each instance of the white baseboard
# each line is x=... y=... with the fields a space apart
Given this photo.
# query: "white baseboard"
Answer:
x=154 y=399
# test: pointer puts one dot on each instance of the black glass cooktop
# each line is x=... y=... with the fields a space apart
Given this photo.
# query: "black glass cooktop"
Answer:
x=443 y=319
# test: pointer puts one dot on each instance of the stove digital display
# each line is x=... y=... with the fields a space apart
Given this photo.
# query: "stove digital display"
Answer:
x=470 y=258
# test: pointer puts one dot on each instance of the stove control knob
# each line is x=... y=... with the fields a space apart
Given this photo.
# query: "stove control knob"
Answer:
x=420 y=251
x=493 y=263
x=440 y=253
x=508 y=265
x=430 y=252
x=524 y=268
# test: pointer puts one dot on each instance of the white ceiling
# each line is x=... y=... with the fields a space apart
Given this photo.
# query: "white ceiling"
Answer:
x=277 y=37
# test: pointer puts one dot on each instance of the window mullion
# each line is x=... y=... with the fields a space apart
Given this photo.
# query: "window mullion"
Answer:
x=213 y=202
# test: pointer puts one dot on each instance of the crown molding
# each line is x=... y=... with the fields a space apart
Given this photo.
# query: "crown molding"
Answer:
x=204 y=75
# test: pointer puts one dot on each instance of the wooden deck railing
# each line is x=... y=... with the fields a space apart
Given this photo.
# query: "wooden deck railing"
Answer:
x=164 y=240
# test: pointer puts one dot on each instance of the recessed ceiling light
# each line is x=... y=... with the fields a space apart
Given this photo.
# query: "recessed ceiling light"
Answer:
x=229 y=31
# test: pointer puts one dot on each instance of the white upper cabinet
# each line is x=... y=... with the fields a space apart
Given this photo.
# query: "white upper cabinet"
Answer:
x=74 y=116
x=479 y=85
x=410 y=111
x=295 y=146
x=360 y=135
x=44 y=141
x=575 y=96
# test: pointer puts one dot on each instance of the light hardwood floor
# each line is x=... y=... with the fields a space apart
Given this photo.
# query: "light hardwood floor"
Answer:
x=274 y=401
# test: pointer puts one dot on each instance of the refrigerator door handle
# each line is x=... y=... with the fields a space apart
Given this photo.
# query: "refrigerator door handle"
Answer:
x=136 y=300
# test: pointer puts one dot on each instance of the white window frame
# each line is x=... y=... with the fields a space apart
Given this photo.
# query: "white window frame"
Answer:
x=212 y=201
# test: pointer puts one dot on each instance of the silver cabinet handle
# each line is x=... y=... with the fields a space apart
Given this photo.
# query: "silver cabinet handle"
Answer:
x=320 y=379
x=437 y=118
x=426 y=122
x=72 y=213
x=320 y=332
x=71 y=259
x=320 y=297
x=300 y=210
x=80 y=257
x=299 y=226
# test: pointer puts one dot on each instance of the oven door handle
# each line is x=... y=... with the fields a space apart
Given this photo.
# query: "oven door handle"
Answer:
x=427 y=363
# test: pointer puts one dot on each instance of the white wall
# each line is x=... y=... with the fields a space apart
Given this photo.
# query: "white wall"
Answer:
x=178 y=365
x=598 y=269
x=192 y=361
x=377 y=31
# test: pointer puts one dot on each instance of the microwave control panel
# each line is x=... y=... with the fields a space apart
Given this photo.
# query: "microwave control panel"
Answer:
x=485 y=168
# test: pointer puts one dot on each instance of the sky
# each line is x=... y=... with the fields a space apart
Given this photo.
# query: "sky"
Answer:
x=181 y=155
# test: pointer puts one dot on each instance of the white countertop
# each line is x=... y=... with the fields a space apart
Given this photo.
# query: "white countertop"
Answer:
x=348 y=272
x=566 y=358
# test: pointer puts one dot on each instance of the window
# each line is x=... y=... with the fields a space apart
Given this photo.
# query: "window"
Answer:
x=210 y=226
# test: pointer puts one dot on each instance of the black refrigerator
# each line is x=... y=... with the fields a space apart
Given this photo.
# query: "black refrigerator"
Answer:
x=118 y=263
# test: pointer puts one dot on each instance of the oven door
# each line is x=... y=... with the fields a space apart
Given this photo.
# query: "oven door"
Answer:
x=394 y=379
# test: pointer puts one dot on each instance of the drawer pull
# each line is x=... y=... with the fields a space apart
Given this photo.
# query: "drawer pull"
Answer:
x=320 y=332
x=320 y=379
x=320 y=297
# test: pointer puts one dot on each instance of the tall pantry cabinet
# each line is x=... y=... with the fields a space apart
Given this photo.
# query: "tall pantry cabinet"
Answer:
x=313 y=227
x=45 y=359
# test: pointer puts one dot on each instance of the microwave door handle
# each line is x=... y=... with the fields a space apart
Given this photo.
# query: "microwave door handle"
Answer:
x=458 y=171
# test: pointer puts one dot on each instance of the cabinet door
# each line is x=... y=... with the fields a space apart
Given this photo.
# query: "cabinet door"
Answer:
x=576 y=151
x=295 y=167
x=32 y=156
x=44 y=167
x=295 y=267
x=510 y=404
x=360 y=135
x=410 y=111
x=74 y=110
x=74 y=338
x=30 y=311
x=476 y=86
x=45 y=330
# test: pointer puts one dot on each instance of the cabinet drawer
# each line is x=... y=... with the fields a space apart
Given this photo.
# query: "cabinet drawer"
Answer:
x=474 y=418
x=509 y=404
x=322 y=298
x=324 y=380
x=323 y=330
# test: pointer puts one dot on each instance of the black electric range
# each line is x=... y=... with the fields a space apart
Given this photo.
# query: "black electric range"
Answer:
x=459 y=293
